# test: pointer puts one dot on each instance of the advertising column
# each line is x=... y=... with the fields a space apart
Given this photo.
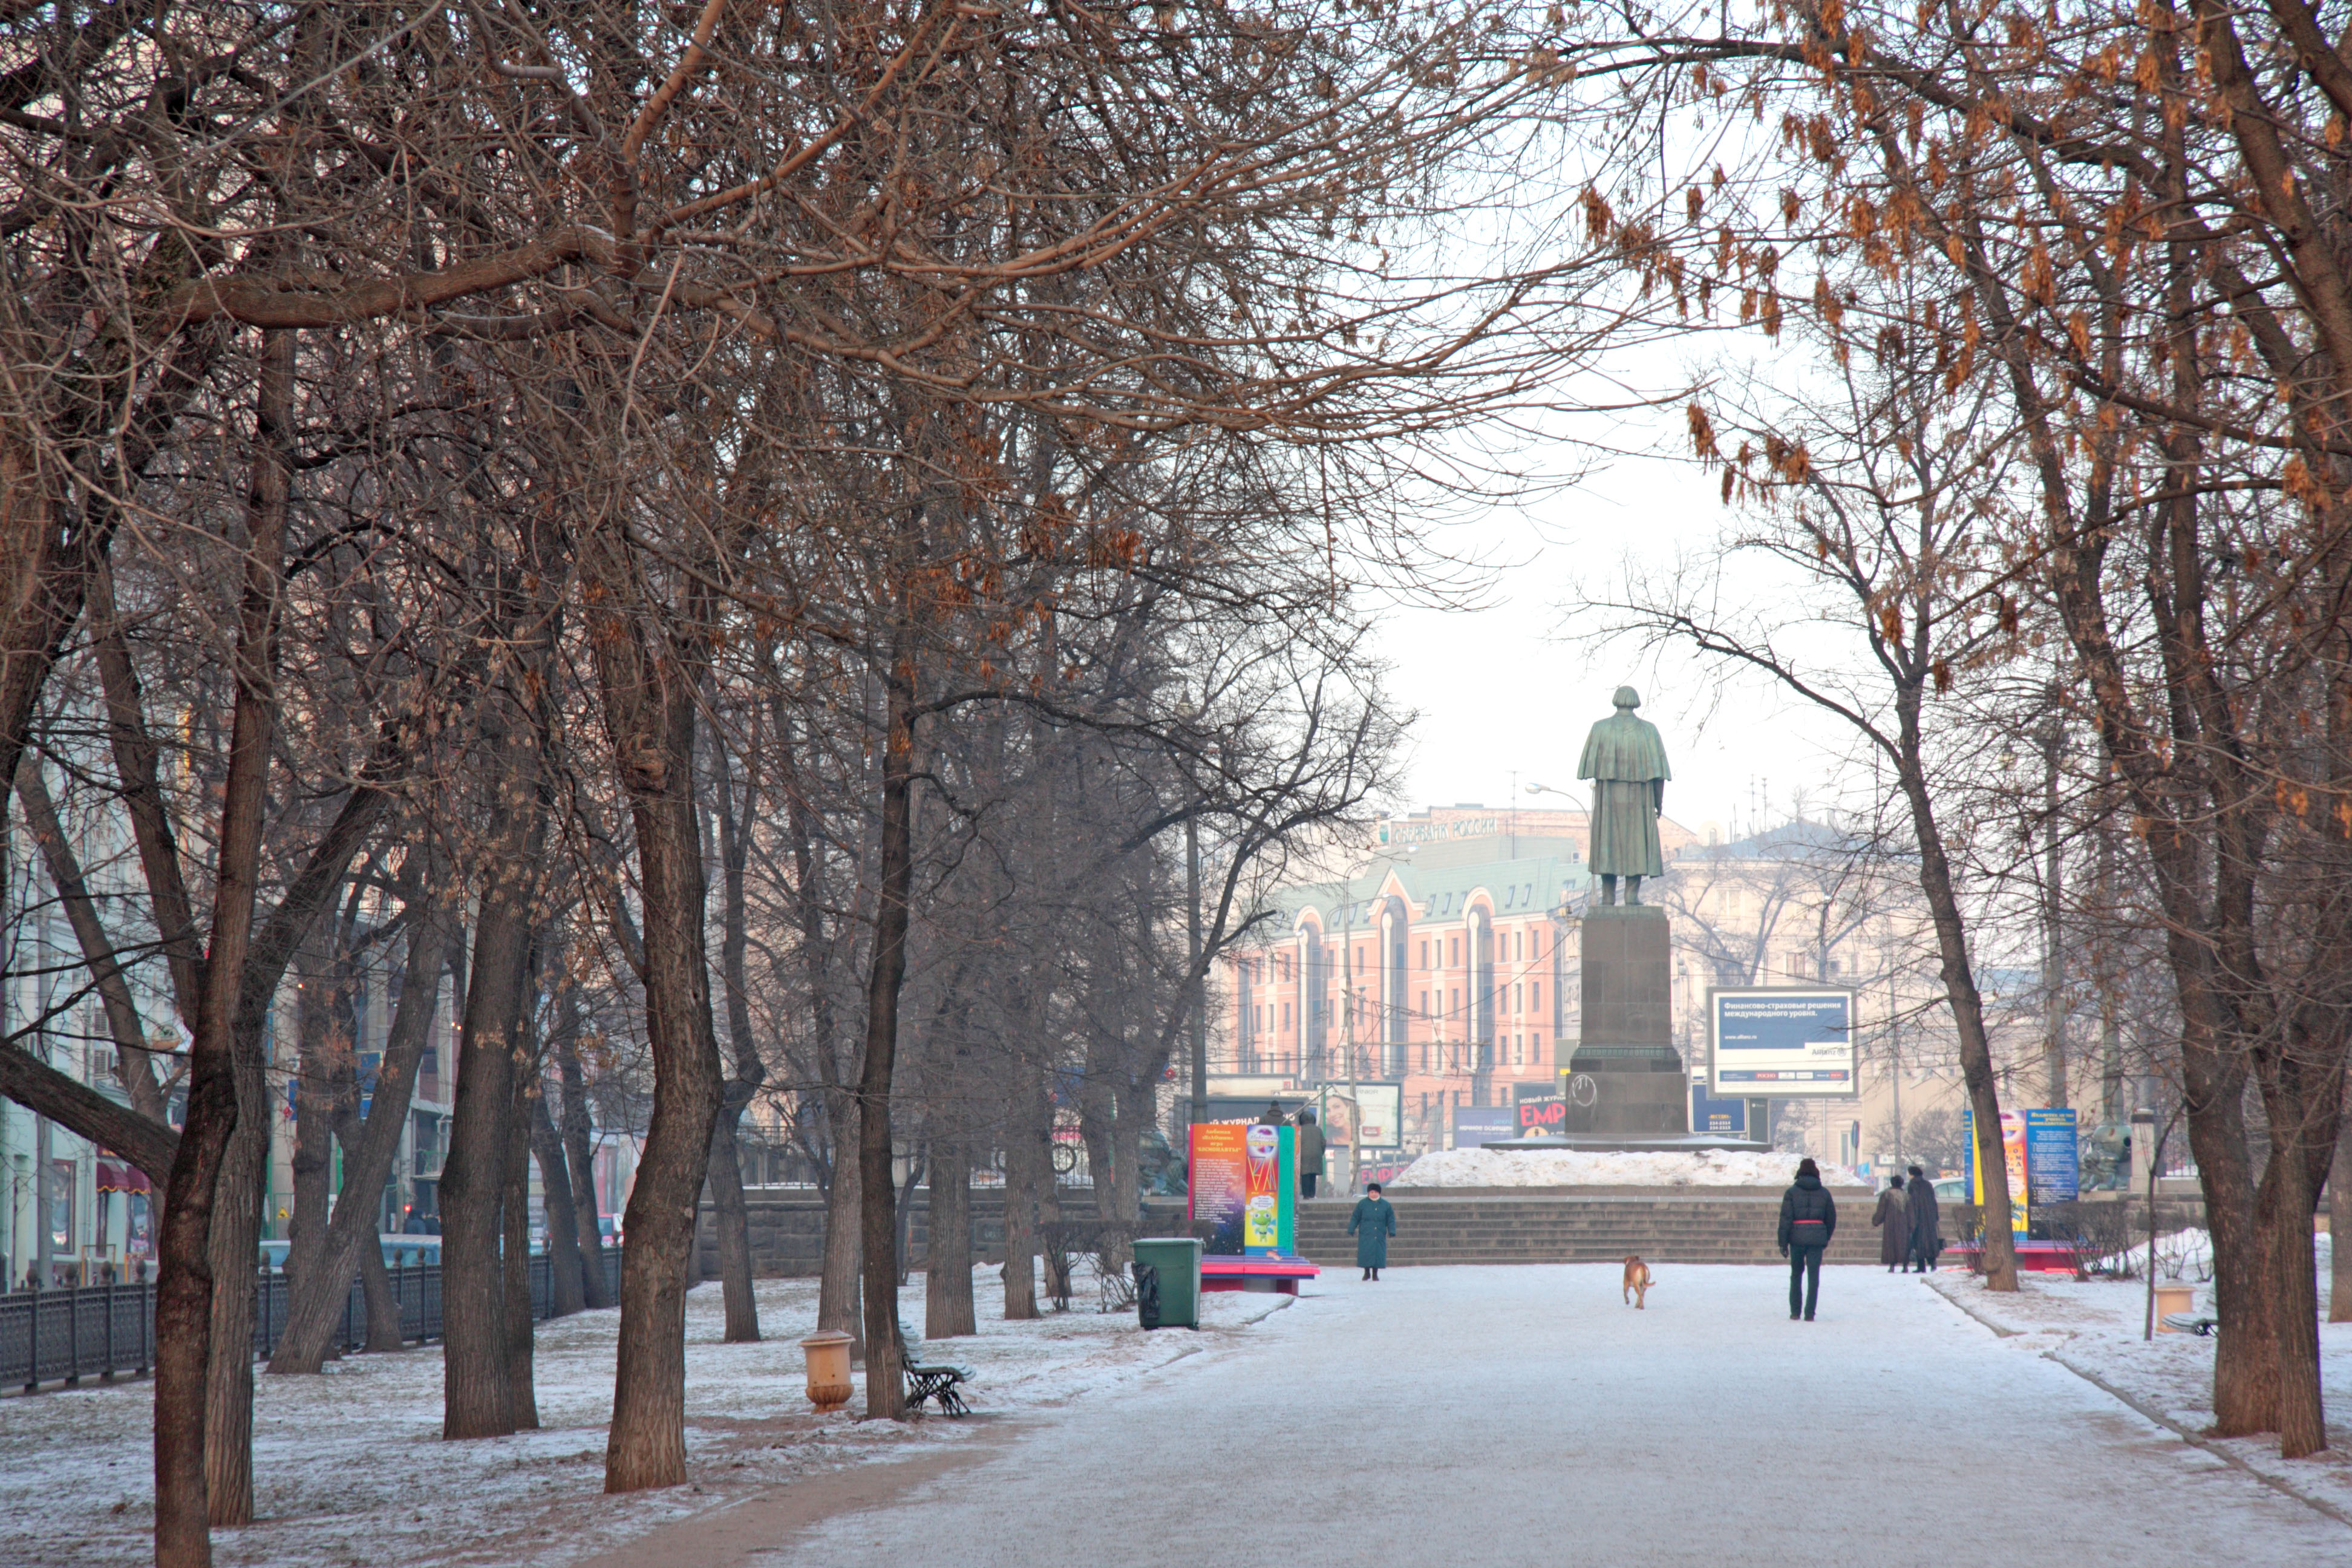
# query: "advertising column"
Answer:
x=2013 y=1156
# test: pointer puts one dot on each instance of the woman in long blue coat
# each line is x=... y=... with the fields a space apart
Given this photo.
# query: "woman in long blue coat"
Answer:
x=1371 y=1224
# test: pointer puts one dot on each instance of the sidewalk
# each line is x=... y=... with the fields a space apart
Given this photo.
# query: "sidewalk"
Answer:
x=2093 y=1328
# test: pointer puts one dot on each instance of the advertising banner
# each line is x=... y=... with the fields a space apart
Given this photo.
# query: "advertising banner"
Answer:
x=1270 y=1215
x=1379 y=1107
x=2054 y=1163
x=1544 y=1113
x=1719 y=1117
x=1475 y=1125
x=1784 y=1041
x=1245 y=1185
x=2013 y=1156
x=1220 y=1183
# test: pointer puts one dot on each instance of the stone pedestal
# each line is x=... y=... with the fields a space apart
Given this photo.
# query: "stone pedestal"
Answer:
x=1626 y=1075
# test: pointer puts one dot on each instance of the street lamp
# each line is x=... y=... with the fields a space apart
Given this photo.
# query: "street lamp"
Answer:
x=1348 y=999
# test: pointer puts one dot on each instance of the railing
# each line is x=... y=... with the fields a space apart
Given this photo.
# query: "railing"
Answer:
x=47 y=1336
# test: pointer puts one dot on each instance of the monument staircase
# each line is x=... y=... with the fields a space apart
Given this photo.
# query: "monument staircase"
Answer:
x=1599 y=1225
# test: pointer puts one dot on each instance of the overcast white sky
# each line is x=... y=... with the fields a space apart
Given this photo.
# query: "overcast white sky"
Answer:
x=1503 y=689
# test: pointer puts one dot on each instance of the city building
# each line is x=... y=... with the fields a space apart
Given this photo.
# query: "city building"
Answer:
x=1446 y=962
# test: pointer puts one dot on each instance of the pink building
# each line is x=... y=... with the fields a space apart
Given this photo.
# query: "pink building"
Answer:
x=1448 y=965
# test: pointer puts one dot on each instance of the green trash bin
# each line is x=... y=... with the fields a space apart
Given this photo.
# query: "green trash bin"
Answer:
x=1176 y=1261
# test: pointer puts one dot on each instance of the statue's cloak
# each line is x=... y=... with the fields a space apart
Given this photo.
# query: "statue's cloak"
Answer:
x=1625 y=759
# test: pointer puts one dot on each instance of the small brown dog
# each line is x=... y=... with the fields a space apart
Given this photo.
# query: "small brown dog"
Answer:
x=1637 y=1283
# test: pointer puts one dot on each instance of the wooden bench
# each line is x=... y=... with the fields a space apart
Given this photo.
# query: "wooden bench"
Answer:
x=930 y=1381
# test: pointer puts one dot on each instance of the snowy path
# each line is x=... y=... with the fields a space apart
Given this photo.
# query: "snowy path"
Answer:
x=1521 y=1416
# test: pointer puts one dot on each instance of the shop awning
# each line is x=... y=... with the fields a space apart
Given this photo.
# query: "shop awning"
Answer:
x=114 y=1176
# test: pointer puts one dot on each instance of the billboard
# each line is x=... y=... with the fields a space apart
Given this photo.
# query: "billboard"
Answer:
x=1781 y=1042
x=1475 y=1125
x=1542 y=1113
x=1244 y=1184
x=1383 y=1114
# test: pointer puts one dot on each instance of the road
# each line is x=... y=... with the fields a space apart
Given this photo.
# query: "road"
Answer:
x=1523 y=1416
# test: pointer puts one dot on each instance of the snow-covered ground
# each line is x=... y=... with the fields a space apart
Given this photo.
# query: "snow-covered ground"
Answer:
x=350 y=1467
x=1582 y=1168
x=2094 y=1328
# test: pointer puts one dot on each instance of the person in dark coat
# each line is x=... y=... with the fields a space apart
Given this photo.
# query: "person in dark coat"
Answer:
x=1807 y=1220
x=1371 y=1224
x=1893 y=1218
x=1927 y=1238
x=1310 y=1153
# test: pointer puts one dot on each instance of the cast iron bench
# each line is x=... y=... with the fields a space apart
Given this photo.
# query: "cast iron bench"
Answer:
x=930 y=1381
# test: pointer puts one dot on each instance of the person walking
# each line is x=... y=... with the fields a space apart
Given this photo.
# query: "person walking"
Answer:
x=1371 y=1224
x=1893 y=1218
x=1926 y=1237
x=1310 y=1153
x=1807 y=1220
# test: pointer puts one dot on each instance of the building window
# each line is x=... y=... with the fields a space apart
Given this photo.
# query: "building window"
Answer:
x=1535 y=998
x=1286 y=1018
x=1518 y=1052
x=1456 y=950
x=1424 y=953
x=1535 y=1050
x=1518 y=998
x=1456 y=1009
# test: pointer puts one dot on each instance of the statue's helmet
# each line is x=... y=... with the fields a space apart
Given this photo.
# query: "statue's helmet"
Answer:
x=1627 y=698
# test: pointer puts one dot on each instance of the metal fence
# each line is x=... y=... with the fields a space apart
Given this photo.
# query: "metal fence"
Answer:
x=47 y=1336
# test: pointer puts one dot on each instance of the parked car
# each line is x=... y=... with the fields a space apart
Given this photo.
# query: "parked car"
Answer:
x=399 y=1251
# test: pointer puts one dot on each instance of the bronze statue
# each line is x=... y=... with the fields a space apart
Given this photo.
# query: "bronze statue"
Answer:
x=1626 y=762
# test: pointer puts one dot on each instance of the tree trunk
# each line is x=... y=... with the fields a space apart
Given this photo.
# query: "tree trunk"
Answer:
x=386 y=1333
x=2339 y=1222
x=368 y=1154
x=2284 y=1209
x=523 y=1397
x=476 y=1400
x=567 y=1284
x=877 y=1203
x=1999 y=1254
x=649 y=687
x=316 y=1004
x=2245 y=1355
x=947 y=1264
x=235 y=1245
x=731 y=1218
x=838 y=1300
x=185 y=1291
x=1020 y=1184
x=579 y=1157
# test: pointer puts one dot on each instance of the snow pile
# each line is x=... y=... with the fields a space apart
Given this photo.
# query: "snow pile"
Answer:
x=1587 y=1168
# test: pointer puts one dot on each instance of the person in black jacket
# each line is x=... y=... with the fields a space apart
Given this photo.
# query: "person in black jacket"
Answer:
x=1926 y=1239
x=1807 y=1220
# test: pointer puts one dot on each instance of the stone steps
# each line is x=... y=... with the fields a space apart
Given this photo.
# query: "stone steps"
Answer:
x=1562 y=1228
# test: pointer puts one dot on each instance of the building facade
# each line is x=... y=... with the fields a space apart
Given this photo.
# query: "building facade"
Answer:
x=1447 y=964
